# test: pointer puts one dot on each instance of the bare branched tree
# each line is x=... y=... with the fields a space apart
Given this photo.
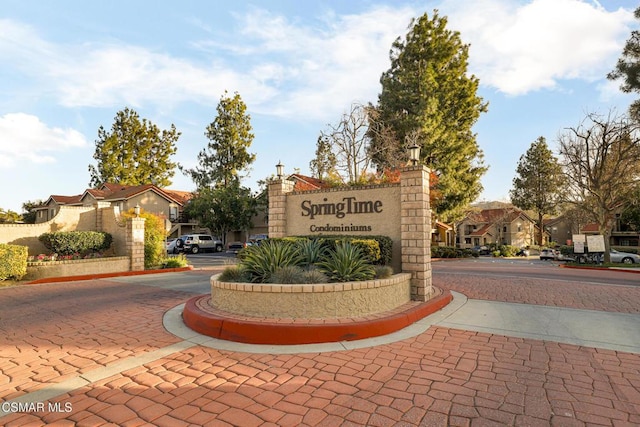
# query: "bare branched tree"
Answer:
x=601 y=164
x=350 y=142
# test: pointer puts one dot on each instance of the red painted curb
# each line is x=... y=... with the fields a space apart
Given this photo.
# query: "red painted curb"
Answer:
x=106 y=275
x=257 y=332
x=621 y=270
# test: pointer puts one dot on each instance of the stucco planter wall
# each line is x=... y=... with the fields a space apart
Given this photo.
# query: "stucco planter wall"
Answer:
x=330 y=300
x=79 y=267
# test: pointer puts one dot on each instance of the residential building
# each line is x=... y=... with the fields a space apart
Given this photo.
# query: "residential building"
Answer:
x=168 y=204
x=501 y=226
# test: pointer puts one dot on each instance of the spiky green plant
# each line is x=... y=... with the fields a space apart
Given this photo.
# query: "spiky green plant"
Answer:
x=261 y=261
x=346 y=264
x=287 y=275
x=311 y=251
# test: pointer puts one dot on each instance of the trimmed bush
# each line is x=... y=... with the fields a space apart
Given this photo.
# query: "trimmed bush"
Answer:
x=74 y=242
x=346 y=264
x=314 y=276
x=233 y=273
x=369 y=247
x=382 y=271
x=13 y=261
x=155 y=249
x=177 y=261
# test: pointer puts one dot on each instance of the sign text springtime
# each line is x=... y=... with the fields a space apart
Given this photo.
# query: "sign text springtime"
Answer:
x=349 y=205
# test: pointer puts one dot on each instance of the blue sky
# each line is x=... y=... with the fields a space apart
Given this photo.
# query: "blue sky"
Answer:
x=69 y=66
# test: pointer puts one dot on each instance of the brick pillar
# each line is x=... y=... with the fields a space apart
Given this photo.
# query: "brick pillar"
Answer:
x=415 y=225
x=100 y=207
x=135 y=243
x=278 y=189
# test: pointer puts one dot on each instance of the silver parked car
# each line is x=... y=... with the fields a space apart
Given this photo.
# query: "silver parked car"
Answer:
x=624 y=257
x=195 y=243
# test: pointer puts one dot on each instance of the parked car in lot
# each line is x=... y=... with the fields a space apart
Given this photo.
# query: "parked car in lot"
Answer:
x=624 y=257
x=195 y=243
x=171 y=246
x=235 y=247
x=546 y=254
x=481 y=250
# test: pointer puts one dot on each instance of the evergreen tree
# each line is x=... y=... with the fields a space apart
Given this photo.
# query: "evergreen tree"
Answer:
x=223 y=209
x=428 y=93
x=628 y=68
x=325 y=160
x=538 y=182
x=226 y=155
x=134 y=152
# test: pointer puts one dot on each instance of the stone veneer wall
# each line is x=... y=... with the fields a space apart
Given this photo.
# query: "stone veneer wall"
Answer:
x=330 y=300
x=69 y=218
x=79 y=267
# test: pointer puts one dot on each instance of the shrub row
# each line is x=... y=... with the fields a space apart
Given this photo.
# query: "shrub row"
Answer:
x=450 y=252
x=72 y=242
x=13 y=261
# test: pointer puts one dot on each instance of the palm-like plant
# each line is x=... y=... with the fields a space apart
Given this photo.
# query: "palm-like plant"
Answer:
x=259 y=262
x=346 y=264
x=311 y=251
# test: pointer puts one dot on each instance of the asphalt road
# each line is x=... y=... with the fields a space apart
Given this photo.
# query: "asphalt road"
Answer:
x=533 y=268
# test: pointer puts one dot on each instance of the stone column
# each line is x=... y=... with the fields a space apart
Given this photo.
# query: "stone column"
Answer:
x=278 y=189
x=415 y=222
x=100 y=207
x=135 y=243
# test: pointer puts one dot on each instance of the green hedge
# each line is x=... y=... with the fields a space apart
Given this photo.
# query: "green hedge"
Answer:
x=72 y=242
x=13 y=261
x=450 y=252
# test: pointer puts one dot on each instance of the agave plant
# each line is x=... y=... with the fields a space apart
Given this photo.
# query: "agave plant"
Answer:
x=259 y=262
x=346 y=264
x=311 y=251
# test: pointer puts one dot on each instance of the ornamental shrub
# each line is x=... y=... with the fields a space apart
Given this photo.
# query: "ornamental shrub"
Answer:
x=155 y=249
x=261 y=261
x=346 y=264
x=287 y=275
x=234 y=273
x=13 y=261
x=311 y=251
x=73 y=242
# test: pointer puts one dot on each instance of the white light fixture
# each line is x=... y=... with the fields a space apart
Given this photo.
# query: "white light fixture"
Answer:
x=136 y=210
x=414 y=153
x=279 y=169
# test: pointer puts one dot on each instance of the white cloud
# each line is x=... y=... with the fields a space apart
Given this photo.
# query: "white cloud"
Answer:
x=522 y=48
x=24 y=137
x=317 y=69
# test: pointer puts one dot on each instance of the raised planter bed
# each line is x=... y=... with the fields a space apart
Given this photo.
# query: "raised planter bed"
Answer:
x=77 y=267
x=329 y=300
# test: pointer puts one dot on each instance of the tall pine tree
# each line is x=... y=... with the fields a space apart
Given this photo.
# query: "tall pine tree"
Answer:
x=230 y=136
x=135 y=152
x=427 y=95
x=537 y=183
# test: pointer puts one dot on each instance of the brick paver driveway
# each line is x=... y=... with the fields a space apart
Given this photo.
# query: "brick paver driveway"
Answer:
x=52 y=333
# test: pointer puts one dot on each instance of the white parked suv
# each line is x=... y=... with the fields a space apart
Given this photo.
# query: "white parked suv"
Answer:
x=195 y=243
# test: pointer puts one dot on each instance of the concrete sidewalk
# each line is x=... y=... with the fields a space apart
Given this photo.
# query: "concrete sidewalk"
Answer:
x=97 y=353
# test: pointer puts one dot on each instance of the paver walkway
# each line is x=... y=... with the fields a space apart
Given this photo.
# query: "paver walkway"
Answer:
x=52 y=333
